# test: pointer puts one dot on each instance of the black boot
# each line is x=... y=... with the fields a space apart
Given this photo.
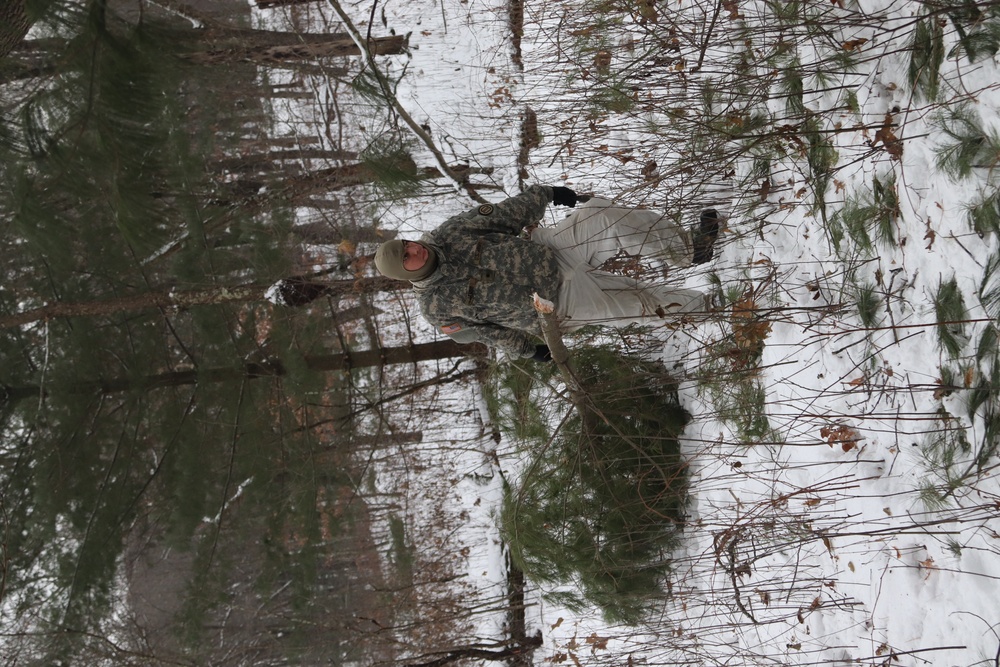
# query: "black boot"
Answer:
x=703 y=237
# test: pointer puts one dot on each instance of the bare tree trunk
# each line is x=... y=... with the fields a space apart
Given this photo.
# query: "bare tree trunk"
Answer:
x=184 y=299
x=321 y=363
x=508 y=653
x=267 y=4
x=264 y=47
x=271 y=160
x=14 y=25
x=299 y=189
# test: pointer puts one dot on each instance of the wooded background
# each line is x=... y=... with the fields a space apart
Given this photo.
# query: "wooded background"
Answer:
x=188 y=470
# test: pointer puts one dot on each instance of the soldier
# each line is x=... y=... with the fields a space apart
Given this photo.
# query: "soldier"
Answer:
x=475 y=274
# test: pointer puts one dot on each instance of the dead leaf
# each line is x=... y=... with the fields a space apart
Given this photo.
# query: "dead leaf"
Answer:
x=813 y=502
x=602 y=61
x=597 y=643
x=970 y=373
x=841 y=434
x=765 y=188
x=733 y=7
x=852 y=44
x=893 y=146
x=647 y=12
x=555 y=625
x=930 y=236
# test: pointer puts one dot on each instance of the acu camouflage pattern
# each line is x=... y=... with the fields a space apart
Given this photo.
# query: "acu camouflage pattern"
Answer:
x=486 y=274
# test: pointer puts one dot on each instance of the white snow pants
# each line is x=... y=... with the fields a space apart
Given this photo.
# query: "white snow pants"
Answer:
x=594 y=233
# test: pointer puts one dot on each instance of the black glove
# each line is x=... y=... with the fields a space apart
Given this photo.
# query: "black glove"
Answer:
x=542 y=353
x=564 y=196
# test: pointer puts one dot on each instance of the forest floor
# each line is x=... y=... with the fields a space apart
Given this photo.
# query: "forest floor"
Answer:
x=846 y=507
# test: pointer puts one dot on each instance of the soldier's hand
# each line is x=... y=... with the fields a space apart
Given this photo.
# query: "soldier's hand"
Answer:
x=564 y=196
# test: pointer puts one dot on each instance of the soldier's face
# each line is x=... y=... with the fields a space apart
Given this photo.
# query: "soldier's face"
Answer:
x=414 y=256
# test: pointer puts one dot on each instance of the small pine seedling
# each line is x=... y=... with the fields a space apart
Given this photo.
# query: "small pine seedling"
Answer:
x=949 y=307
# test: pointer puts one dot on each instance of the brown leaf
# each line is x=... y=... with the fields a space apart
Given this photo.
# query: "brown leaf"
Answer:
x=647 y=12
x=602 y=61
x=893 y=146
x=852 y=44
x=765 y=188
x=930 y=236
x=733 y=7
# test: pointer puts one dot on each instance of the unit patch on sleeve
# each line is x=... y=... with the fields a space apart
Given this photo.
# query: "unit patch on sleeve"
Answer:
x=485 y=209
x=451 y=328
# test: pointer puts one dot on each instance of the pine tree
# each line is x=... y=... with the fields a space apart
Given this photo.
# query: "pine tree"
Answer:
x=125 y=402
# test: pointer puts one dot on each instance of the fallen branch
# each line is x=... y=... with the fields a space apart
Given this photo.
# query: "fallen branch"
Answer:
x=390 y=97
x=560 y=353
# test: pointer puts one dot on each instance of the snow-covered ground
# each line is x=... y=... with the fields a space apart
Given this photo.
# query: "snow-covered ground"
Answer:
x=819 y=540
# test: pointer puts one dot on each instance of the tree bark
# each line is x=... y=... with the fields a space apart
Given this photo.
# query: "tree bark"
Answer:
x=183 y=299
x=299 y=189
x=14 y=25
x=321 y=363
x=273 y=160
x=527 y=646
x=263 y=47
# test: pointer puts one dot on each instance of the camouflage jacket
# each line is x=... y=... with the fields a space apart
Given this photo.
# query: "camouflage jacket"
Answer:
x=482 y=288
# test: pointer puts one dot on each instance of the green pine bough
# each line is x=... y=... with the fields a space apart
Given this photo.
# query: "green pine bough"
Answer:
x=601 y=505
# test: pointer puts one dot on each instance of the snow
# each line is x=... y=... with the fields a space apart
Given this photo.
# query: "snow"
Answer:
x=814 y=544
